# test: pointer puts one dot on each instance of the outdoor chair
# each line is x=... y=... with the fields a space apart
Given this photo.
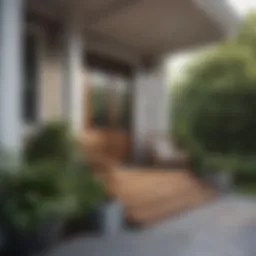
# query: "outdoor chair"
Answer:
x=162 y=152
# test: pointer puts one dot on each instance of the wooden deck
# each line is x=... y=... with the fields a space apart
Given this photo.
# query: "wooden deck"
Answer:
x=153 y=195
x=148 y=194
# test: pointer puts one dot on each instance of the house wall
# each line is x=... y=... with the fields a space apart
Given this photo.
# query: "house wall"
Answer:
x=51 y=81
x=51 y=89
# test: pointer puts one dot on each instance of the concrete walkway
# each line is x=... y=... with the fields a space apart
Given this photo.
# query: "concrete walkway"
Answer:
x=226 y=227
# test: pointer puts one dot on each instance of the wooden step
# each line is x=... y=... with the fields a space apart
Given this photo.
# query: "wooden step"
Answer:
x=150 y=195
x=142 y=183
x=169 y=185
x=171 y=196
x=157 y=204
x=139 y=180
x=153 y=213
x=154 y=194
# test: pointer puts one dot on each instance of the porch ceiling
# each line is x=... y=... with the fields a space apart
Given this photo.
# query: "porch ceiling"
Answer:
x=147 y=27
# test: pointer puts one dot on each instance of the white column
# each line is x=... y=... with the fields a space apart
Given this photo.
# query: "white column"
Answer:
x=11 y=31
x=160 y=99
x=73 y=79
x=151 y=115
x=139 y=112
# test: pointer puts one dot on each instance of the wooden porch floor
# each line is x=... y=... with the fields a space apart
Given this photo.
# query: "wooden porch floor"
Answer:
x=151 y=195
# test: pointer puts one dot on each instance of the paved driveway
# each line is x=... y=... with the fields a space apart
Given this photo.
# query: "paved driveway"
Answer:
x=226 y=227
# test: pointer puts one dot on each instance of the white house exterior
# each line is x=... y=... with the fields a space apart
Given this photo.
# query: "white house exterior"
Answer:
x=138 y=32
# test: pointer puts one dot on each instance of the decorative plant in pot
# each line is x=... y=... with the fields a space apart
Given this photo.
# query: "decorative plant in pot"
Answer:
x=90 y=195
x=34 y=206
x=220 y=169
x=52 y=187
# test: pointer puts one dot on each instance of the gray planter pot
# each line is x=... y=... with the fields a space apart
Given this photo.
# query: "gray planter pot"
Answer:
x=223 y=181
x=111 y=216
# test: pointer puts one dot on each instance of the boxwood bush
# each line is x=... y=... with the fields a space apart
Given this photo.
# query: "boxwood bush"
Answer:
x=213 y=106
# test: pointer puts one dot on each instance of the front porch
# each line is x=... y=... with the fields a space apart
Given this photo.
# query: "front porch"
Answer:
x=136 y=36
x=64 y=34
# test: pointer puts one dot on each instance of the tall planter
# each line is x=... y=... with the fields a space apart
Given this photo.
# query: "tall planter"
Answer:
x=111 y=216
x=222 y=169
x=222 y=181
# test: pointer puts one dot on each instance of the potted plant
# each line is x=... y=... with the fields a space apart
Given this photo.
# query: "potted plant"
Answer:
x=52 y=188
x=35 y=202
x=220 y=170
x=90 y=195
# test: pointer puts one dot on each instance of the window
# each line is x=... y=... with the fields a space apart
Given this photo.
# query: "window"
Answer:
x=122 y=104
x=110 y=100
x=109 y=92
x=99 y=99
x=29 y=103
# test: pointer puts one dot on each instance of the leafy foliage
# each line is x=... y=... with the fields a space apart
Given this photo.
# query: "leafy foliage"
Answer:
x=51 y=185
x=53 y=141
x=35 y=194
x=213 y=107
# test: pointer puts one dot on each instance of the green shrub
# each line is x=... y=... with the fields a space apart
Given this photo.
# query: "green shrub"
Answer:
x=247 y=171
x=212 y=108
x=34 y=194
x=223 y=163
x=88 y=191
x=53 y=141
x=44 y=191
x=54 y=182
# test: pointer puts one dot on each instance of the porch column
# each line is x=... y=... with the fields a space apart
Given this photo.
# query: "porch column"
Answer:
x=73 y=78
x=11 y=39
x=151 y=115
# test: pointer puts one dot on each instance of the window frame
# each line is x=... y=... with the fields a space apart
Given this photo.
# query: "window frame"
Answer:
x=113 y=122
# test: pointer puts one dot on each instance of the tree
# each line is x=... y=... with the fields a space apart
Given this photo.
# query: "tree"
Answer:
x=213 y=107
x=247 y=34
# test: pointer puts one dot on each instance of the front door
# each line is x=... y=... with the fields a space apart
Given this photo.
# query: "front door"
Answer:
x=108 y=111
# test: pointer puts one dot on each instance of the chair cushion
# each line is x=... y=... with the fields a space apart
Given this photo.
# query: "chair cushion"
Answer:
x=163 y=150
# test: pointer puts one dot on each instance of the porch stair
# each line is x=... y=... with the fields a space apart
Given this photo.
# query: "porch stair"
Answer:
x=150 y=196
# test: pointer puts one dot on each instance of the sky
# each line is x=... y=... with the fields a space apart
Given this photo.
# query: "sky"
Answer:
x=243 y=6
x=177 y=63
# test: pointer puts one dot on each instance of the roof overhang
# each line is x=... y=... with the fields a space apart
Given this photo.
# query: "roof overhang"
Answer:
x=145 y=27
